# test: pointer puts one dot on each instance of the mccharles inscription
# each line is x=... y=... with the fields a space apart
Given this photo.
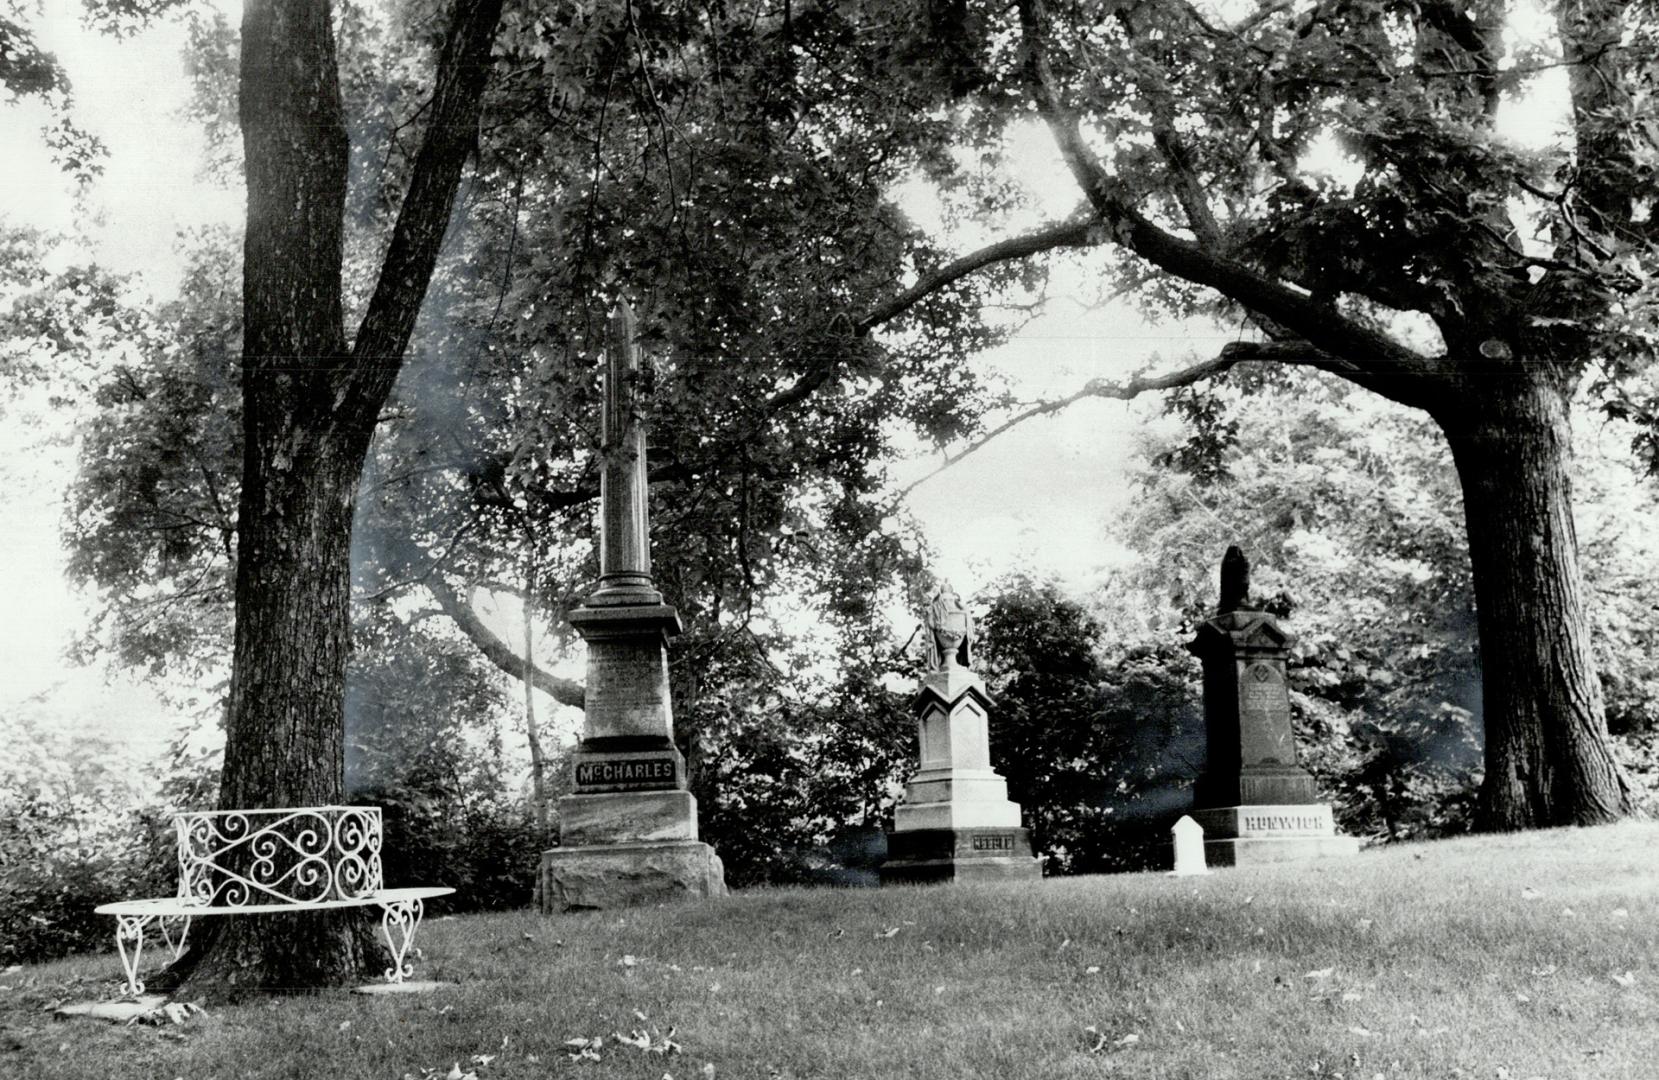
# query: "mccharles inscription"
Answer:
x=628 y=772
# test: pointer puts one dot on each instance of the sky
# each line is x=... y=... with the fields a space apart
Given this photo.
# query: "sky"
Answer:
x=1036 y=499
x=129 y=95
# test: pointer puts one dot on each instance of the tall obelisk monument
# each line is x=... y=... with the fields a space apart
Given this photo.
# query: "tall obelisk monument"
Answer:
x=628 y=833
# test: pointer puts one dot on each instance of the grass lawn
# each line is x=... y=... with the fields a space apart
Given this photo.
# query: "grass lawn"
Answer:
x=1514 y=957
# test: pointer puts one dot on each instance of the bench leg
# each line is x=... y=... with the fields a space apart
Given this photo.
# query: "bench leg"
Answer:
x=167 y=933
x=130 y=929
x=399 y=920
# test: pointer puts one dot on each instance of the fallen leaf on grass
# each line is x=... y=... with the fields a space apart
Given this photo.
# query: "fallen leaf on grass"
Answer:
x=1627 y=979
x=1568 y=913
x=628 y=961
x=1092 y=969
x=889 y=932
x=482 y=1059
x=1364 y=1033
x=1351 y=996
x=345 y=1025
x=1543 y=972
x=1321 y=973
x=580 y=1049
x=1128 y=1040
x=1620 y=913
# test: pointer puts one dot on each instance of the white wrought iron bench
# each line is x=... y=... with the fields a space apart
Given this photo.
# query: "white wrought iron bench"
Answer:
x=251 y=862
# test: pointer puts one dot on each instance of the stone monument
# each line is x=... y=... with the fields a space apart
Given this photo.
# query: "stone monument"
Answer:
x=628 y=833
x=955 y=822
x=1255 y=802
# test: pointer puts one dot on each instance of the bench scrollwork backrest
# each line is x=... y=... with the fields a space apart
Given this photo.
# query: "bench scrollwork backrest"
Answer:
x=300 y=856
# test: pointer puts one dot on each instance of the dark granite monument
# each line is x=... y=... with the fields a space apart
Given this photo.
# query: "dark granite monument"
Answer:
x=628 y=833
x=1255 y=802
x=955 y=822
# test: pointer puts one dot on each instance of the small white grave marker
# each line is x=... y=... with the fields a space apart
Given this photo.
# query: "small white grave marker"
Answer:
x=1189 y=848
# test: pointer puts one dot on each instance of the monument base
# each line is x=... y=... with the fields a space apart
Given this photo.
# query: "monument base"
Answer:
x=920 y=856
x=628 y=875
x=1256 y=834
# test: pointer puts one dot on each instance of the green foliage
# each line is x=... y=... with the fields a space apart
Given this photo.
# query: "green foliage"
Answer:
x=1098 y=742
x=423 y=743
x=795 y=749
x=70 y=838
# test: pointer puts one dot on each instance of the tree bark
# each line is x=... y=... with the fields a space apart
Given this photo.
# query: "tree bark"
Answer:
x=1546 y=749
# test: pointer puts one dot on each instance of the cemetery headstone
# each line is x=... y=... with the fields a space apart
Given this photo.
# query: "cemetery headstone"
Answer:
x=1188 y=837
x=955 y=822
x=628 y=831
x=1255 y=802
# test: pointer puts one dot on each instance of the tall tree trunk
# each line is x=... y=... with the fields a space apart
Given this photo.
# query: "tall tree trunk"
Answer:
x=1547 y=756
x=310 y=404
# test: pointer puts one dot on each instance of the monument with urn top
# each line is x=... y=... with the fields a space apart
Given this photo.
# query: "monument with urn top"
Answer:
x=628 y=831
x=1254 y=801
x=955 y=822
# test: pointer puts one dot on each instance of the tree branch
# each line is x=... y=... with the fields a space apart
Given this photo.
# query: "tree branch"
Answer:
x=498 y=652
x=1371 y=359
x=1085 y=233
x=1094 y=388
x=422 y=220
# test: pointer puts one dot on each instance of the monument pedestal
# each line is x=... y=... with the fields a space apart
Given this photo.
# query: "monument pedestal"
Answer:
x=628 y=874
x=956 y=822
x=1261 y=833
x=628 y=833
x=1256 y=804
